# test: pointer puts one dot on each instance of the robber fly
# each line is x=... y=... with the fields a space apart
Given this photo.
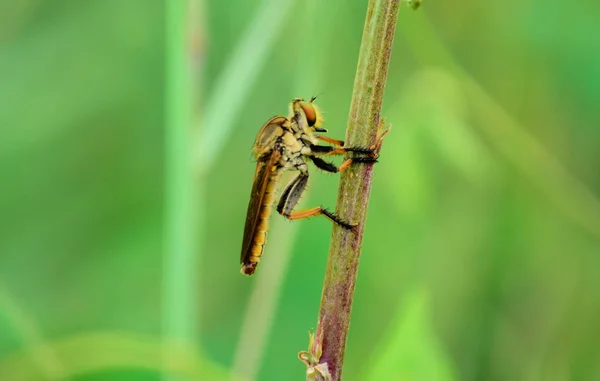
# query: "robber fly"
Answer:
x=285 y=144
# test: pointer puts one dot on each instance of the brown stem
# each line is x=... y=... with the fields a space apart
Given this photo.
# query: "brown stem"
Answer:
x=355 y=186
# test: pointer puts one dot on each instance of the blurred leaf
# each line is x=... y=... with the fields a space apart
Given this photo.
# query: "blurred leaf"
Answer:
x=433 y=103
x=410 y=350
x=511 y=139
x=444 y=107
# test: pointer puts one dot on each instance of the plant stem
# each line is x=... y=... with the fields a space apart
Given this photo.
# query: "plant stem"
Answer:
x=355 y=187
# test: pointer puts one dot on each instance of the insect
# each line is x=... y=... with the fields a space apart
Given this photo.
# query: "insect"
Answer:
x=284 y=144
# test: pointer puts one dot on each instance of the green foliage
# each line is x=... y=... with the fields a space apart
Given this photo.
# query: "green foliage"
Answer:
x=485 y=199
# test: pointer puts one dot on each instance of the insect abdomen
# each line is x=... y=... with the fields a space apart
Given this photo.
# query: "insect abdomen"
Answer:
x=260 y=238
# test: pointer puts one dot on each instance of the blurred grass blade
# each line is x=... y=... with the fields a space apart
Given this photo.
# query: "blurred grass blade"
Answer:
x=434 y=103
x=410 y=351
x=264 y=300
x=407 y=179
x=230 y=91
x=101 y=351
x=567 y=192
x=36 y=350
x=180 y=272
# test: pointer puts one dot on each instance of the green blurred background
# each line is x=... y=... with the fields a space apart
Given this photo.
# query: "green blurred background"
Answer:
x=125 y=162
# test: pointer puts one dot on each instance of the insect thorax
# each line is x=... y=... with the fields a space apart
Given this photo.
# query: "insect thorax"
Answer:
x=292 y=149
x=287 y=136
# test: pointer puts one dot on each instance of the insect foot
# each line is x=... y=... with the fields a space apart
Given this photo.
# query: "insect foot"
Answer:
x=372 y=152
x=377 y=146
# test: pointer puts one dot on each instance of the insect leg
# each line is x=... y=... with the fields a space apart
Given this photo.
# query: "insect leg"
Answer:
x=329 y=140
x=330 y=167
x=290 y=197
x=327 y=166
x=292 y=192
x=328 y=150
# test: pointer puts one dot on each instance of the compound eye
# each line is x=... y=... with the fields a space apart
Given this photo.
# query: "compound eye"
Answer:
x=311 y=114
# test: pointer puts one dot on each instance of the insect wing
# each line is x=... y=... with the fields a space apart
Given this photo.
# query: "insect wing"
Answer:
x=262 y=176
x=268 y=135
